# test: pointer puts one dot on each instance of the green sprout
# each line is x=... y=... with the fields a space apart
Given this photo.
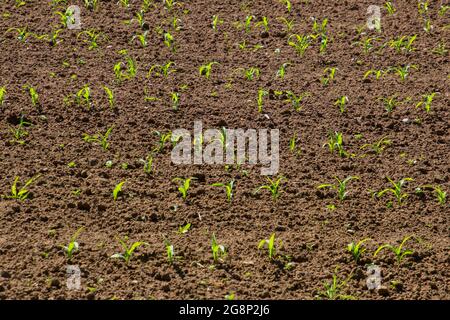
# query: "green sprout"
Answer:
x=247 y=23
x=426 y=101
x=163 y=138
x=215 y=22
x=66 y=17
x=341 y=186
x=261 y=94
x=390 y=103
x=33 y=95
x=148 y=164
x=127 y=251
x=296 y=100
x=22 y=33
x=142 y=38
x=282 y=70
x=184 y=187
x=22 y=193
x=287 y=4
x=91 y=37
x=336 y=143
x=441 y=195
x=205 y=70
x=273 y=186
x=293 y=144
x=289 y=24
x=169 y=41
x=2 y=94
x=175 y=97
x=73 y=244
x=19 y=133
x=366 y=44
x=378 y=146
x=357 y=249
x=265 y=23
x=251 y=73
x=389 y=7
x=300 y=43
x=378 y=73
x=334 y=288
x=110 y=95
x=83 y=97
x=328 y=76
x=184 y=229
x=396 y=190
x=218 y=250
x=399 y=252
x=272 y=248
x=228 y=188
x=341 y=102
x=99 y=138
x=161 y=70
x=403 y=71
x=403 y=43
x=170 y=251
x=117 y=190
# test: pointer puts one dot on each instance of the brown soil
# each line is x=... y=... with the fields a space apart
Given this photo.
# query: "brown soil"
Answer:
x=32 y=263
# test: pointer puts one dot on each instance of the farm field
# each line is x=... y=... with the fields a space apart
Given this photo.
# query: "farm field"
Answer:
x=93 y=206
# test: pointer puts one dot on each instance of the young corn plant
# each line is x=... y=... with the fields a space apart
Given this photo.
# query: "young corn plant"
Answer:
x=205 y=70
x=287 y=4
x=148 y=164
x=22 y=33
x=130 y=69
x=378 y=146
x=265 y=23
x=228 y=188
x=184 y=229
x=366 y=44
x=175 y=98
x=293 y=145
x=20 y=193
x=403 y=71
x=357 y=249
x=426 y=101
x=101 y=139
x=52 y=38
x=110 y=96
x=33 y=95
x=271 y=246
x=66 y=17
x=216 y=21
x=218 y=250
x=261 y=94
x=91 y=4
x=440 y=194
x=288 y=24
x=274 y=187
x=389 y=7
x=83 y=97
x=281 y=72
x=340 y=187
x=328 y=76
x=117 y=190
x=127 y=251
x=248 y=23
x=332 y=290
x=377 y=73
x=91 y=37
x=399 y=251
x=163 y=139
x=251 y=73
x=390 y=103
x=336 y=143
x=142 y=38
x=19 y=133
x=295 y=100
x=72 y=246
x=403 y=43
x=161 y=70
x=341 y=102
x=300 y=43
x=169 y=41
x=2 y=95
x=170 y=251
x=183 y=188
x=396 y=189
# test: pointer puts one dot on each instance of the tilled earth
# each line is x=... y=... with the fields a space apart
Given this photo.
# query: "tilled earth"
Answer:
x=314 y=226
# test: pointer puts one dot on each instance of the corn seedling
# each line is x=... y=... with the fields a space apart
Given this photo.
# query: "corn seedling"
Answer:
x=340 y=187
x=265 y=23
x=130 y=72
x=91 y=37
x=99 y=138
x=427 y=99
x=332 y=290
x=247 y=23
x=118 y=190
x=73 y=244
x=148 y=164
x=378 y=146
x=396 y=190
x=272 y=248
x=205 y=70
x=403 y=43
x=399 y=252
x=125 y=3
x=91 y=4
x=83 y=97
x=19 y=133
x=441 y=195
x=52 y=38
x=170 y=251
x=169 y=41
x=300 y=43
x=273 y=186
x=341 y=102
x=33 y=95
x=296 y=100
x=378 y=73
x=140 y=18
x=142 y=38
x=218 y=250
x=184 y=229
x=2 y=95
x=366 y=44
x=169 y=4
x=66 y=17
x=261 y=94
x=288 y=24
x=228 y=188
x=215 y=22
x=357 y=249
x=127 y=251
x=22 y=33
x=390 y=103
x=110 y=96
x=282 y=70
x=440 y=49
x=163 y=138
x=336 y=143
x=293 y=144
x=403 y=71
x=320 y=29
x=161 y=70
x=328 y=76
x=251 y=73
x=175 y=97
x=389 y=7
x=184 y=186
x=287 y=4
x=20 y=193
